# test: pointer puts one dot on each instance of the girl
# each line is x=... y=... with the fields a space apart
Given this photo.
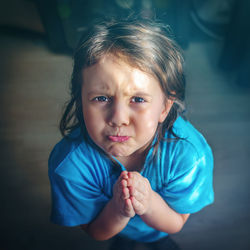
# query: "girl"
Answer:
x=129 y=164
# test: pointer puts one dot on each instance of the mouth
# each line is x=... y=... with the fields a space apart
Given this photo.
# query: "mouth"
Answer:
x=116 y=138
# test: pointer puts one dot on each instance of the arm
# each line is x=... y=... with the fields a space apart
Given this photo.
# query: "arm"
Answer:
x=163 y=218
x=153 y=210
x=115 y=215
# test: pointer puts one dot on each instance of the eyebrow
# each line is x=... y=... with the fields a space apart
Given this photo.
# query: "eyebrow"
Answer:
x=106 y=91
x=97 y=92
x=142 y=94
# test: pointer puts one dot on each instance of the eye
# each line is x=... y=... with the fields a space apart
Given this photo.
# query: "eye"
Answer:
x=138 y=99
x=101 y=99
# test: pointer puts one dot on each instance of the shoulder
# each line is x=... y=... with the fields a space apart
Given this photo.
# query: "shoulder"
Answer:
x=187 y=167
x=190 y=137
x=63 y=149
x=189 y=151
x=74 y=159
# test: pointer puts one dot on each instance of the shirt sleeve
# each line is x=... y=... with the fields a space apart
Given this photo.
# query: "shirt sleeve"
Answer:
x=76 y=192
x=73 y=204
x=190 y=184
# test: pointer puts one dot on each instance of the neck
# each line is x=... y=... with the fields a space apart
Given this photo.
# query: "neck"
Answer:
x=134 y=162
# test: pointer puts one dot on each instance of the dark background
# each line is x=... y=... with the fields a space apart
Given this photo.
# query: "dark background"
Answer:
x=36 y=42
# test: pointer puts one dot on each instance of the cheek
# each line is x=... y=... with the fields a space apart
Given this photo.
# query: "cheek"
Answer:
x=94 y=128
x=149 y=125
x=148 y=121
x=92 y=121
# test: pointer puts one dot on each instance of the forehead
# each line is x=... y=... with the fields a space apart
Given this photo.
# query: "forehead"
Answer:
x=113 y=70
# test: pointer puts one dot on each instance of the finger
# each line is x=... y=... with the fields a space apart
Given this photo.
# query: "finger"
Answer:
x=125 y=193
x=129 y=210
x=124 y=183
x=124 y=175
x=119 y=186
x=133 y=174
x=138 y=207
x=130 y=179
x=133 y=177
x=131 y=190
x=130 y=174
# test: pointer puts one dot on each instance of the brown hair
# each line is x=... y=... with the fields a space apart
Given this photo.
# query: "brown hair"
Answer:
x=144 y=44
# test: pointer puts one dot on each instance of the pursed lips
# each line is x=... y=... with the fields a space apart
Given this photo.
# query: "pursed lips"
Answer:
x=118 y=138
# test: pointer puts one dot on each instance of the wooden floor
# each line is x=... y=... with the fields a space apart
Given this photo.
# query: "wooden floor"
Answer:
x=33 y=89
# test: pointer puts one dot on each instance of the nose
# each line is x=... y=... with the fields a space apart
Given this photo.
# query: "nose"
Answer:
x=119 y=114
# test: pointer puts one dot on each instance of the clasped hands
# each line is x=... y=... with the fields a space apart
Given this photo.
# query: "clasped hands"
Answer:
x=132 y=194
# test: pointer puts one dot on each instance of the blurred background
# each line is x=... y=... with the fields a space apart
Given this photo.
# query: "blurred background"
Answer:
x=36 y=43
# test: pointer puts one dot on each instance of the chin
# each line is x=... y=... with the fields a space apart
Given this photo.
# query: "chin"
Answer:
x=118 y=152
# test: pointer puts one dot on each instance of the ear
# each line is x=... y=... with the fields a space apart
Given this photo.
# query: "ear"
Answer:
x=165 y=110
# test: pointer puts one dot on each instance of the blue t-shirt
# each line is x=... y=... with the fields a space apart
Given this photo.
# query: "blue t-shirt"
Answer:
x=82 y=179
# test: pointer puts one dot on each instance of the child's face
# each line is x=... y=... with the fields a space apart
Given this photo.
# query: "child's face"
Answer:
x=122 y=106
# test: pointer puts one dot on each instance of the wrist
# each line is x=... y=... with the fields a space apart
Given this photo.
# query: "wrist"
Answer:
x=150 y=210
